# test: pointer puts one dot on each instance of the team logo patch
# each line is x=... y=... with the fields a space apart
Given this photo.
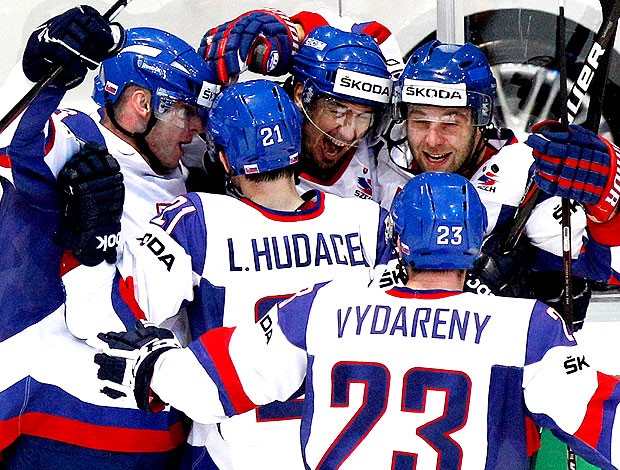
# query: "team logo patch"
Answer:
x=364 y=188
x=488 y=179
x=360 y=85
x=433 y=93
x=315 y=44
x=111 y=88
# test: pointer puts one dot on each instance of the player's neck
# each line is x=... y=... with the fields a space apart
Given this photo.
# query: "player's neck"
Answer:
x=433 y=280
x=279 y=195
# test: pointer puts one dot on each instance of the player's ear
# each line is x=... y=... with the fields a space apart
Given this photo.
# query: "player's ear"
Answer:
x=298 y=88
x=224 y=160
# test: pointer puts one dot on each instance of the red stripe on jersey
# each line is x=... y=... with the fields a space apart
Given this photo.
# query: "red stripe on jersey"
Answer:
x=5 y=161
x=68 y=262
x=411 y=294
x=92 y=436
x=314 y=211
x=590 y=429
x=377 y=31
x=532 y=437
x=216 y=342
x=126 y=289
x=309 y=21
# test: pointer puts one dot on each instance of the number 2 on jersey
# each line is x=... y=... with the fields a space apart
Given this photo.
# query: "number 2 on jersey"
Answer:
x=416 y=384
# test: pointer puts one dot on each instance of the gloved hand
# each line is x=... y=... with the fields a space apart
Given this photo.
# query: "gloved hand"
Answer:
x=501 y=272
x=77 y=40
x=263 y=41
x=577 y=164
x=129 y=361
x=92 y=184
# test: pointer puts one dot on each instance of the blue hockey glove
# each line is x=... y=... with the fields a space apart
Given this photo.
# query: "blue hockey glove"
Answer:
x=576 y=164
x=94 y=193
x=77 y=40
x=130 y=359
x=263 y=41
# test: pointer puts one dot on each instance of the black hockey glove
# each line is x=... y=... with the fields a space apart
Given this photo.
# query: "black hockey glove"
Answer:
x=548 y=287
x=76 y=40
x=92 y=185
x=130 y=359
x=499 y=272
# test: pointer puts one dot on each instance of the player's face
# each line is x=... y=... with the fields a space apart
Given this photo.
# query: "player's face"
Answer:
x=171 y=133
x=441 y=139
x=332 y=127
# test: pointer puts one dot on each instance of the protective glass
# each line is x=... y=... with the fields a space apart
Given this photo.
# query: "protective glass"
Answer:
x=479 y=107
x=172 y=110
x=340 y=121
x=449 y=121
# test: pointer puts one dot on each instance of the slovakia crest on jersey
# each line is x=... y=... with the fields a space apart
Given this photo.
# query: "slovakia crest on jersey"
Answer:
x=488 y=179
x=364 y=188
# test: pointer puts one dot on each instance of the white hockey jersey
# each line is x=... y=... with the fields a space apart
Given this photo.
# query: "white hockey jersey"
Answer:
x=356 y=176
x=229 y=261
x=501 y=181
x=404 y=378
x=51 y=391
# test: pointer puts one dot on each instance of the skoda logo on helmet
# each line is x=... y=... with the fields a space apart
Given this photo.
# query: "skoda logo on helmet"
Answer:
x=363 y=86
x=433 y=93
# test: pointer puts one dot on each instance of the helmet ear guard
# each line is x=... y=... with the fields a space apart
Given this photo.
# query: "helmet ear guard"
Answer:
x=439 y=220
x=258 y=126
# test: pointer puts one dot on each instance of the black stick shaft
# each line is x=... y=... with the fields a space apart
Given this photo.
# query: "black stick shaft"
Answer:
x=28 y=98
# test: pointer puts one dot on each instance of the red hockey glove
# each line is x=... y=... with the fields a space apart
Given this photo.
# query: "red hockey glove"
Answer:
x=577 y=164
x=77 y=40
x=130 y=360
x=263 y=41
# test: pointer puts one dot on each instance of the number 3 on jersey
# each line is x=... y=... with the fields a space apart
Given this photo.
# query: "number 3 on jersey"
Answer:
x=416 y=384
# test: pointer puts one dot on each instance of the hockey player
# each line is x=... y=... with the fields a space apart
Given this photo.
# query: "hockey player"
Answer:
x=153 y=94
x=339 y=81
x=444 y=99
x=230 y=259
x=420 y=376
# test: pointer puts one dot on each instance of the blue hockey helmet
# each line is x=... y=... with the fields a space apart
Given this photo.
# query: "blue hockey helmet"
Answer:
x=258 y=126
x=440 y=221
x=346 y=65
x=450 y=75
x=162 y=63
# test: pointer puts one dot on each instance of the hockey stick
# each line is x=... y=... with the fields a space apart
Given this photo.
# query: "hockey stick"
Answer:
x=23 y=103
x=603 y=38
x=567 y=266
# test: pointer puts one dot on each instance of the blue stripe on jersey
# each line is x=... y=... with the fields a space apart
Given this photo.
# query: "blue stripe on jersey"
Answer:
x=122 y=310
x=506 y=419
x=30 y=396
x=31 y=287
x=31 y=174
x=308 y=410
x=550 y=331
x=385 y=251
x=83 y=127
x=205 y=360
x=293 y=315
x=189 y=229
x=206 y=311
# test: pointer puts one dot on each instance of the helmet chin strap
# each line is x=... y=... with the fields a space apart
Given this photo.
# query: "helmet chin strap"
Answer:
x=140 y=138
